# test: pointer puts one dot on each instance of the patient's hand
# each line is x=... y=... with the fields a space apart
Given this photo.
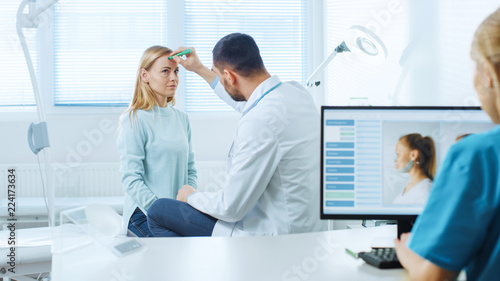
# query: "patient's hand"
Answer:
x=184 y=192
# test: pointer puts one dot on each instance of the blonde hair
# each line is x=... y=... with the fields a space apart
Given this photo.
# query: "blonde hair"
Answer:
x=144 y=97
x=486 y=46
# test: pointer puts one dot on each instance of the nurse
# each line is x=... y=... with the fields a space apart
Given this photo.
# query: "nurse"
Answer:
x=460 y=225
x=272 y=186
x=154 y=142
x=416 y=156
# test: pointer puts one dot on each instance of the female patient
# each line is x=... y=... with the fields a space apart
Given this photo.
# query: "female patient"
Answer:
x=154 y=142
x=416 y=156
x=460 y=225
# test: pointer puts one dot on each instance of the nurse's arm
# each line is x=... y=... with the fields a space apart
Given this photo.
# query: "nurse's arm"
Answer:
x=419 y=268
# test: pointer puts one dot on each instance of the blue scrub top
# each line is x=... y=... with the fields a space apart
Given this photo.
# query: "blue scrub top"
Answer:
x=460 y=225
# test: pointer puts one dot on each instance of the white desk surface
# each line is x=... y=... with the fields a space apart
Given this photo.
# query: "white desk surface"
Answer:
x=310 y=256
x=33 y=251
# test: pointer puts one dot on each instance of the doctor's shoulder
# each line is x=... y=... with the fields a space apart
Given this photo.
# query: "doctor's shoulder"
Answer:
x=289 y=93
x=297 y=85
x=298 y=96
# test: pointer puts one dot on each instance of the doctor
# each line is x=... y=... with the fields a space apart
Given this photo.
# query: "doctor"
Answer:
x=273 y=164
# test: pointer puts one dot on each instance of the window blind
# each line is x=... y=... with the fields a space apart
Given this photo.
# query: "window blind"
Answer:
x=457 y=23
x=98 y=45
x=278 y=27
x=439 y=69
x=15 y=84
x=351 y=81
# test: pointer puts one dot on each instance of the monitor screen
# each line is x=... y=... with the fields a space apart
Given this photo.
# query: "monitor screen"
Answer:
x=365 y=157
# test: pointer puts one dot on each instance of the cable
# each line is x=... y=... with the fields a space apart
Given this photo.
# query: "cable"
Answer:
x=43 y=189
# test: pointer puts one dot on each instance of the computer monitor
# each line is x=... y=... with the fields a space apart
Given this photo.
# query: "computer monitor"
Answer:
x=360 y=177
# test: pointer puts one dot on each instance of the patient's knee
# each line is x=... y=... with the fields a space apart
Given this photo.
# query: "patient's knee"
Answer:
x=155 y=208
x=158 y=210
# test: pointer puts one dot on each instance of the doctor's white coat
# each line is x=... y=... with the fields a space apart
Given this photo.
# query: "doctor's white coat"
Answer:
x=273 y=166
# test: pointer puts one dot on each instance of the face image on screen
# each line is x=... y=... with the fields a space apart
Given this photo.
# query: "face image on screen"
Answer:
x=409 y=155
x=381 y=161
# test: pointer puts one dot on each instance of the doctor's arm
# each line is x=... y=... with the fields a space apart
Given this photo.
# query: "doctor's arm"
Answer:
x=255 y=160
x=193 y=63
x=130 y=143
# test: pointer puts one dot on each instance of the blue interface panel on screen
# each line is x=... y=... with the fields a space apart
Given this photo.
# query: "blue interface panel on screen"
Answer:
x=379 y=162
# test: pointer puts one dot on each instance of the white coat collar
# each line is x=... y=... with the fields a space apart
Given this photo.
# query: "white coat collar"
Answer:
x=259 y=91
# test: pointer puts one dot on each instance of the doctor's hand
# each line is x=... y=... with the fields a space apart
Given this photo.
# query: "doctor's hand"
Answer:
x=193 y=63
x=184 y=192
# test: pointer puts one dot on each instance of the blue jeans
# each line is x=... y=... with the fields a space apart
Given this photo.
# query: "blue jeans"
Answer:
x=138 y=224
x=172 y=218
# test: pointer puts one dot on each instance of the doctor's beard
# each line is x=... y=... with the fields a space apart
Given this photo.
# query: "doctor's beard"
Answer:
x=233 y=93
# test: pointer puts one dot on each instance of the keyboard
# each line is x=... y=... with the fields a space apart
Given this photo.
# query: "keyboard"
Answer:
x=381 y=258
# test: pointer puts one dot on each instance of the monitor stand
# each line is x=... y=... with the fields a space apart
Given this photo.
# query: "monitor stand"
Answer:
x=405 y=225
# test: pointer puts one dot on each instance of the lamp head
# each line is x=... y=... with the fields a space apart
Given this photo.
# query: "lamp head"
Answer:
x=365 y=44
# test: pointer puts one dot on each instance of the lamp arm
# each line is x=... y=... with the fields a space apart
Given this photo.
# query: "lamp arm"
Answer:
x=34 y=14
x=340 y=48
x=19 y=27
x=320 y=68
x=30 y=20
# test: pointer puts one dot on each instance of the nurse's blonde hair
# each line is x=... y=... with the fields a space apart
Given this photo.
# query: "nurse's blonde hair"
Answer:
x=144 y=97
x=486 y=46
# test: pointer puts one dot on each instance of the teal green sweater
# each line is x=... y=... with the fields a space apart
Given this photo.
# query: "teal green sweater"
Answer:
x=156 y=157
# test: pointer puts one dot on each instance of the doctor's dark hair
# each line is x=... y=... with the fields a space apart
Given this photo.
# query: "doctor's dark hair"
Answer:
x=238 y=52
x=426 y=152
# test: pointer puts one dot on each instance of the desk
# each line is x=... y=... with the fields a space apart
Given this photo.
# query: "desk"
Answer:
x=309 y=256
x=33 y=209
x=33 y=252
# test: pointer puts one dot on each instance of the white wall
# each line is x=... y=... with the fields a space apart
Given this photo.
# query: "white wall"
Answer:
x=91 y=138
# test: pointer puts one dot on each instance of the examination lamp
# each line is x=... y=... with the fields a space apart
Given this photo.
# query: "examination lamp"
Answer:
x=38 y=139
x=362 y=43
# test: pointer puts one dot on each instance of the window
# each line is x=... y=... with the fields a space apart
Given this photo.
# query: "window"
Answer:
x=15 y=83
x=351 y=81
x=457 y=23
x=428 y=44
x=98 y=45
x=278 y=27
